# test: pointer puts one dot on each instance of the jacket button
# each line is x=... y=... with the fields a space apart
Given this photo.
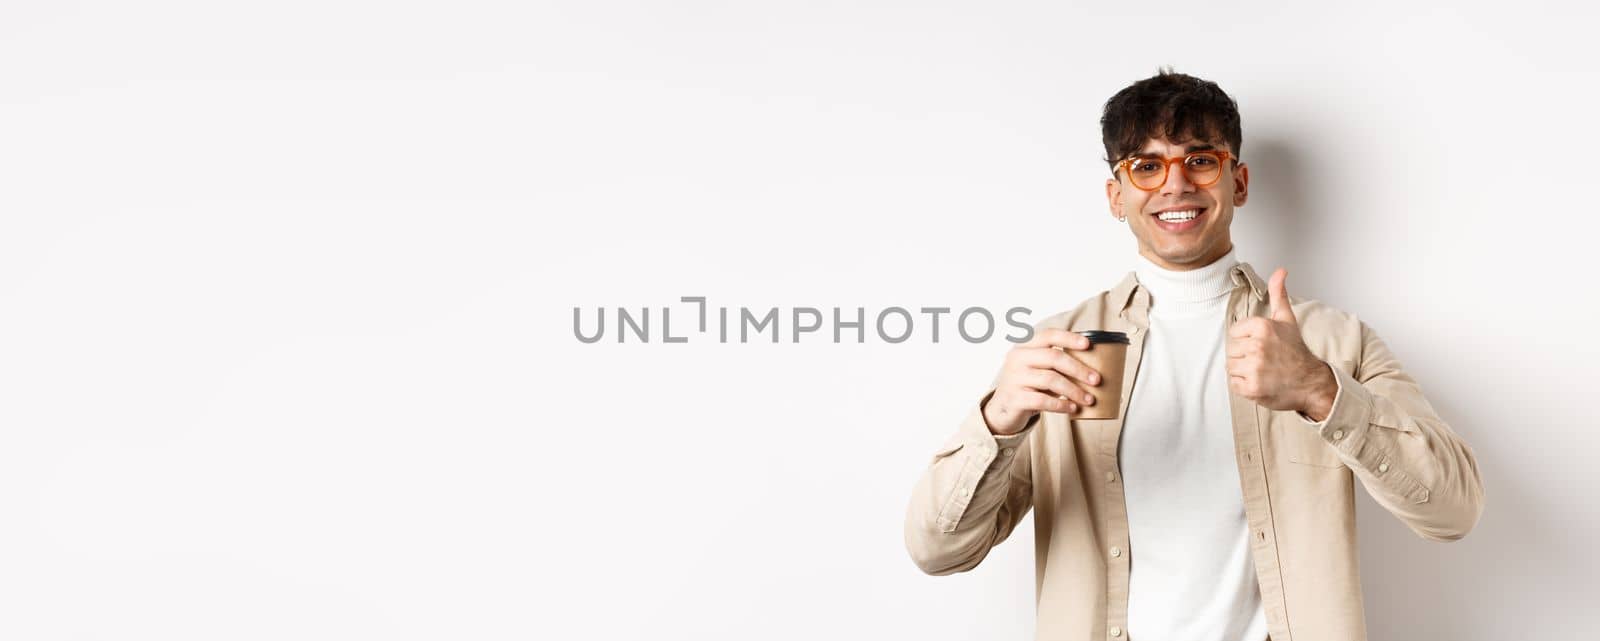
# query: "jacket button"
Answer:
x=1383 y=467
x=1116 y=631
x=1116 y=551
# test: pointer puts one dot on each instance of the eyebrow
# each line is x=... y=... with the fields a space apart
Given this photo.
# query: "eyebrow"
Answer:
x=1186 y=150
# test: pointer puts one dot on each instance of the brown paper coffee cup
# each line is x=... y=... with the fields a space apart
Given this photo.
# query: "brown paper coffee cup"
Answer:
x=1107 y=354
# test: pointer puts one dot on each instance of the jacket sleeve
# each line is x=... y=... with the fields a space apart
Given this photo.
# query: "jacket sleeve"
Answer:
x=1389 y=436
x=973 y=492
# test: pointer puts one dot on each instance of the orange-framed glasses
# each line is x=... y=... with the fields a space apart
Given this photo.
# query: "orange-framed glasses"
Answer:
x=1201 y=168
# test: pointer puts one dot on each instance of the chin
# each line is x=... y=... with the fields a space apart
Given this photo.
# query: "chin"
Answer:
x=1184 y=256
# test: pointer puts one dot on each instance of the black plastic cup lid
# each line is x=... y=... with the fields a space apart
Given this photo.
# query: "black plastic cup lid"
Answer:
x=1102 y=336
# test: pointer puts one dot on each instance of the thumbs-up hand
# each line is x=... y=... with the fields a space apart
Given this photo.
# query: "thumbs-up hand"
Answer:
x=1269 y=363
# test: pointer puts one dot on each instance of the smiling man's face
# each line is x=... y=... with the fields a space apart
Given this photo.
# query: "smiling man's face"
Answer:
x=1185 y=246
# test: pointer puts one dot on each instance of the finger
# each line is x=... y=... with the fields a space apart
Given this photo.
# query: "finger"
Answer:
x=1076 y=369
x=1244 y=328
x=1243 y=347
x=1243 y=367
x=1041 y=402
x=1242 y=385
x=1067 y=365
x=1278 y=297
x=1048 y=358
x=1057 y=337
x=1246 y=366
x=1052 y=382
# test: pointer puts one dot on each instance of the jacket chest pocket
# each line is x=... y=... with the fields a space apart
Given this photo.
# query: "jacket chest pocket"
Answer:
x=1300 y=442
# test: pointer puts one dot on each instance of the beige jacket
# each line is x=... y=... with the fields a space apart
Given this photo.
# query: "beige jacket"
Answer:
x=1297 y=478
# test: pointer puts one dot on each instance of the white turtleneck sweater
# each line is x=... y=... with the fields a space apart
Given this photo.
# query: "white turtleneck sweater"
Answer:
x=1191 y=574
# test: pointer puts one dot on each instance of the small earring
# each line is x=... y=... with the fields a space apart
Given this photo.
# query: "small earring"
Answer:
x=1122 y=219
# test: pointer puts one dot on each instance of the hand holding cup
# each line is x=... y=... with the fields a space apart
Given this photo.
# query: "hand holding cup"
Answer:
x=1041 y=375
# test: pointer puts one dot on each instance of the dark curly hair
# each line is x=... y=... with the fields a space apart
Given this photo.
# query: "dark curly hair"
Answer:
x=1168 y=105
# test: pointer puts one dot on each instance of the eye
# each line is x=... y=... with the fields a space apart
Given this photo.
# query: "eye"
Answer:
x=1145 y=165
x=1206 y=160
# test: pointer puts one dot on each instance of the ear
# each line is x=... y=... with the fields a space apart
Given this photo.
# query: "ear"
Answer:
x=1241 y=184
x=1114 y=196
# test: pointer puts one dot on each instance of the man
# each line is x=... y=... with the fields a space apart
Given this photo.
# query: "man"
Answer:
x=1219 y=505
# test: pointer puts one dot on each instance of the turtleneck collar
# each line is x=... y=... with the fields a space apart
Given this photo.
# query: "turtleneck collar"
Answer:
x=1185 y=288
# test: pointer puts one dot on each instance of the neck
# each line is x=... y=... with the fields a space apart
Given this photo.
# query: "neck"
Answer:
x=1173 y=287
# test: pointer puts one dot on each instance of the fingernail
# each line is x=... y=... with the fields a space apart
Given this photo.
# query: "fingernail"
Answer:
x=1094 y=379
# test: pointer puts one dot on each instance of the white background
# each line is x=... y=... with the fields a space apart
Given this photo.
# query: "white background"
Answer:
x=286 y=298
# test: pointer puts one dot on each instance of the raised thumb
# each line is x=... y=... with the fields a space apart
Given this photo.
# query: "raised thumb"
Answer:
x=1278 y=297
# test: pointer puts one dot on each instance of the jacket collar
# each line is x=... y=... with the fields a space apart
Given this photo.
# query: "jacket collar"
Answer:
x=1130 y=292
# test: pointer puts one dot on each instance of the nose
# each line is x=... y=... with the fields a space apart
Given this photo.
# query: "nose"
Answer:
x=1177 y=181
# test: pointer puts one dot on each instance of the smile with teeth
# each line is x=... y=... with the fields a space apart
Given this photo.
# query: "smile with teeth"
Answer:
x=1179 y=216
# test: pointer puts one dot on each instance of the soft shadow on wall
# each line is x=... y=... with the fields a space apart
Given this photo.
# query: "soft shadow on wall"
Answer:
x=1512 y=569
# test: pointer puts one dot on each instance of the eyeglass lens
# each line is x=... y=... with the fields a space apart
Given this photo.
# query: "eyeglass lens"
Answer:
x=1200 y=168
